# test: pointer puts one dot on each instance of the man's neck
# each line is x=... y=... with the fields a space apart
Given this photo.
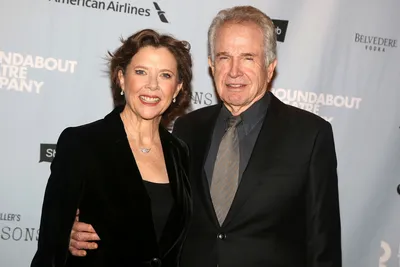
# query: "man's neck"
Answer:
x=237 y=110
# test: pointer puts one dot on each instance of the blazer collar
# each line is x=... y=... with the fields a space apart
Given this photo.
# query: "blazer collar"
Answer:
x=177 y=221
x=116 y=129
x=272 y=126
x=261 y=158
x=200 y=143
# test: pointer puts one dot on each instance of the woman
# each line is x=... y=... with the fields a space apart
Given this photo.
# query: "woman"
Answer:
x=126 y=167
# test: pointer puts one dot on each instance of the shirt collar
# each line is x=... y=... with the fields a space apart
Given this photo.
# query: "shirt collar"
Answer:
x=252 y=116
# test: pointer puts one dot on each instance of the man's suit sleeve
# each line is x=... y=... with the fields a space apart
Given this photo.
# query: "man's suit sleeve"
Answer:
x=60 y=202
x=323 y=217
x=179 y=129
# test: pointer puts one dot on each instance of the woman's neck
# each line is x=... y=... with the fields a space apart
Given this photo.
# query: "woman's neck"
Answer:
x=144 y=132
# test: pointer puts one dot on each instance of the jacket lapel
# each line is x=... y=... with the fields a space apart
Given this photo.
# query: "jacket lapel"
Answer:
x=128 y=179
x=260 y=159
x=201 y=145
x=179 y=216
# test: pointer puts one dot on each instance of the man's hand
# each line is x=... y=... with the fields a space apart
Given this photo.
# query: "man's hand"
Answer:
x=81 y=234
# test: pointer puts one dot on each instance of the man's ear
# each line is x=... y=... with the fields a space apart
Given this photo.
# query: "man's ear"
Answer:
x=211 y=65
x=271 y=69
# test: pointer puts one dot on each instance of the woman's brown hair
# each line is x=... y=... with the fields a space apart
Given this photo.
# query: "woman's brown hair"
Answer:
x=120 y=59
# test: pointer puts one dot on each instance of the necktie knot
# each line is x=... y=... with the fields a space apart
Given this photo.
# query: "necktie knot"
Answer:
x=234 y=121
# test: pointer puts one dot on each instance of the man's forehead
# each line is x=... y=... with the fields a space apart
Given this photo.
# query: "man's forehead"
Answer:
x=238 y=45
x=238 y=26
x=239 y=34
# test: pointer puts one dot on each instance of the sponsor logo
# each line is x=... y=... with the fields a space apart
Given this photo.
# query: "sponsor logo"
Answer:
x=113 y=6
x=161 y=14
x=386 y=254
x=312 y=101
x=375 y=43
x=280 y=29
x=11 y=232
x=14 y=69
x=10 y=217
x=385 y=258
x=47 y=152
x=202 y=98
x=117 y=6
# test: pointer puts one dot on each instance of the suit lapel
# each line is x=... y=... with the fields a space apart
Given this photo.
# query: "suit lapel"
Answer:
x=260 y=158
x=127 y=177
x=202 y=145
x=175 y=226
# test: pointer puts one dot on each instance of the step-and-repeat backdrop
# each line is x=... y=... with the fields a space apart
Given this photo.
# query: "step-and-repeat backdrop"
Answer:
x=339 y=59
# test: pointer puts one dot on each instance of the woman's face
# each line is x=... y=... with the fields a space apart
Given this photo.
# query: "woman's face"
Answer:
x=150 y=82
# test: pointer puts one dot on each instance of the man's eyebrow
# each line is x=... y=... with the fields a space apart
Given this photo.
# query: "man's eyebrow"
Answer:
x=248 y=55
x=222 y=54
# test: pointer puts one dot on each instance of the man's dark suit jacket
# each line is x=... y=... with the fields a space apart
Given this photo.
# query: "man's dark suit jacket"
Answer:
x=94 y=170
x=286 y=209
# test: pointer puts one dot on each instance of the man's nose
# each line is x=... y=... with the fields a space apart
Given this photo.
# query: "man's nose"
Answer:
x=235 y=70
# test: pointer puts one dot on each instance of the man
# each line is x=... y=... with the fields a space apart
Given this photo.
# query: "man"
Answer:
x=265 y=189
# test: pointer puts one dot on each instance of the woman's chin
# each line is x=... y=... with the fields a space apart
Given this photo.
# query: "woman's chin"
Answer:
x=150 y=117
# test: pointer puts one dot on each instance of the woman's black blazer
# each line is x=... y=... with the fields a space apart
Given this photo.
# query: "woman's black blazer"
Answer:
x=95 y=170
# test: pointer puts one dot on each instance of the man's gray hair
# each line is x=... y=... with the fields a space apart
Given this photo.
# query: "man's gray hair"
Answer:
x=241 y=14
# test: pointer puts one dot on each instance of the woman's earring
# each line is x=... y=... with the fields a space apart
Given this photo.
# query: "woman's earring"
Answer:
x=122 y=92
x=174 y=100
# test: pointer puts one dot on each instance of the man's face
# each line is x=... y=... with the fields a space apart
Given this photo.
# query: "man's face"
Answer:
x=239 y=68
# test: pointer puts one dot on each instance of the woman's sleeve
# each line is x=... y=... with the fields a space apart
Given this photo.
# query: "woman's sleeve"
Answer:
x=61 y=200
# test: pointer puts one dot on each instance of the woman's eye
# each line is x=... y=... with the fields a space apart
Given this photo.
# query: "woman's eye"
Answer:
x=140 y=72
x=166 y=75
